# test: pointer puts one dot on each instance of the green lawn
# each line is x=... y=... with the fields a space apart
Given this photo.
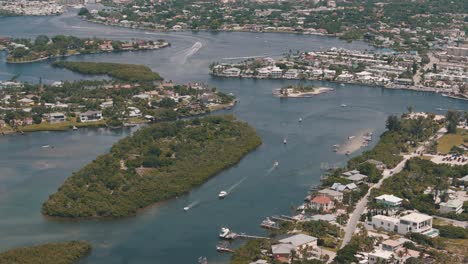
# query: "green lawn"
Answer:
x=59 y=126
x=448 y=141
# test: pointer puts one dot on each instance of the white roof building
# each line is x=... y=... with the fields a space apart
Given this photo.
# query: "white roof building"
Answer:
x=390 y=200
x=451 y=206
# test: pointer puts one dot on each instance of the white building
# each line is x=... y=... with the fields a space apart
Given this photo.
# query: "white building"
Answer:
x=232 y=72
x=380 y=256
x=415 y=223
x=389 y=200
x=452 y=206
x=91 y=116
x=291 y=74
x=335 y=195
x=387 y=223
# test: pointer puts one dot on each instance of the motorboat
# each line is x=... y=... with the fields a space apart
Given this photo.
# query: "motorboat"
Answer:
x=75 y=128
x=222 y=194
x=343 y=105
x=275 y=164
x=285 y=141
x=351 y=137
x=300 y=119
x=46 y=146
x=186 y=208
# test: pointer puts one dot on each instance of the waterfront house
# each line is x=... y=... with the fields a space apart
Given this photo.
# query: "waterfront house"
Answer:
x=106 y=46
x=56 y=117
x=451 y=206
x=291 y=74
x=276 y=72
x=322 y=203
x=91 y=116
x=389 y=200
x=232 y=72
x=343 y=187
x=28 y=121
x=332 y=194
x=263 y=73
x=298 y=242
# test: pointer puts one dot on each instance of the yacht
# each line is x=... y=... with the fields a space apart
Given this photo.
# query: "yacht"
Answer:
x=275 y=164
x=285 y=141
x=300 y=119
x=186 y=208
x=46 y=146
x=222 y=194
x=224 y=232
x=343 y=105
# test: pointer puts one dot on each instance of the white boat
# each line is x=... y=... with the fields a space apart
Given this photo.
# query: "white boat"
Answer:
x=285 y=141
x=343 y=105
x=186 y=208
x=275 y=164
x=342 y=84
x=75 y=128
x=300 y=119
x=224 y=232
x=46 y=146
x=444 y=95
x=222 y=194
x=351 y=137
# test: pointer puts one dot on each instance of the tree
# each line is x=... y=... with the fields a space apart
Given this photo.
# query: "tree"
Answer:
x=393 y=123
x=452 y=117
x=83 y=11
x=41 y=40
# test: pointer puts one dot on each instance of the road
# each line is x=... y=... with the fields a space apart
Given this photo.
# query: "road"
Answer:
x=362 y=204
x=463 y=224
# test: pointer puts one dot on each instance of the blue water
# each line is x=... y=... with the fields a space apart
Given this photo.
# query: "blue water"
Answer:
x=164 y=233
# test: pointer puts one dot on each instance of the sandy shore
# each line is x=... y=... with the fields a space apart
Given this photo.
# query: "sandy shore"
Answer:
x=355 y=143
x=316 y=91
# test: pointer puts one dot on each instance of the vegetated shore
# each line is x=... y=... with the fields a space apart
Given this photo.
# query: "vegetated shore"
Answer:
x=57 y=253
x=155 y=164
x=354 y=144
x=305 y=94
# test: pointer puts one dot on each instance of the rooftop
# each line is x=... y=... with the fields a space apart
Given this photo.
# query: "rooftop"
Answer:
x=321 y=200
x=389 y=198
x=282 y=248
x=386 y=218
x=416 y=217
x=298 y=240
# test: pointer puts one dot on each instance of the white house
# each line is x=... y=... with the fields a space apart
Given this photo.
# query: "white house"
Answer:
x=276 y=72
x=387 y=223
x=298 y=243
x=380 y=256
x=389 y=200
x=335 y=195
x=56 y=117
x=416 y=223
x=291 y=74
x=232 y=72
x=451 y=206
x=91 y=116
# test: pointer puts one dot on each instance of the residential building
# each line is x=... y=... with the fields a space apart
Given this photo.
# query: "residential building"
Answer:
x=56 y=117
x=378 y=164
x=389 y=200
x=232 y=72
x=335 y=195
x=387 y=223
x=299 y=243
x=322 y=203
x=91 y=116
x=380 y=256
x=415 y=222
x=451 y=206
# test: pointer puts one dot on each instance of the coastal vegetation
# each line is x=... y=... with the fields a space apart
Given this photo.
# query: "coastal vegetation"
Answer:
x=44 y=47
x=124 y=72
x=57 y=253
x=156 y=163
x=401 y=136
x=451 y=142
x=420 y=182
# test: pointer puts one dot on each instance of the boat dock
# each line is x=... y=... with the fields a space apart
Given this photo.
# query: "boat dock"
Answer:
x=229 y=235
x=283 y=218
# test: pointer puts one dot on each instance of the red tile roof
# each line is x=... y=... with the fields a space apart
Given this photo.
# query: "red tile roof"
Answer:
x=321 y=200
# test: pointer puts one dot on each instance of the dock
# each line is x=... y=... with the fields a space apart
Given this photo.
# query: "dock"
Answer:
x=283 y=218
x=229 y=235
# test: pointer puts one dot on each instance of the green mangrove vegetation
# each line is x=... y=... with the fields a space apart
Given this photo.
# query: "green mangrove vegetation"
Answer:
x=124 y=72
x=56 y=253
x=156 y=163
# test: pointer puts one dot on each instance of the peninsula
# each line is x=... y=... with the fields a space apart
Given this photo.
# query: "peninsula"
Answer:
x=134 y=95
x=156 y=163
x=44 y=47
x=57 y=253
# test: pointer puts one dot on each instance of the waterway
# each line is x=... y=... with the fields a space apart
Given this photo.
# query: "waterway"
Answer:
x=165 y=233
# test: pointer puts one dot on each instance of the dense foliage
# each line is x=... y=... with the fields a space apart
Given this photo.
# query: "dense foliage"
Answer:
x=449 y=231
x=57 y=253
x=415 y=178
x=158 y=162
x=359 y=242
x=250 y=251
x=125 y=72
x=401 y=131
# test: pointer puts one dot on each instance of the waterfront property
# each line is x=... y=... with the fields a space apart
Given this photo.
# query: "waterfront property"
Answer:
x=299 y=243
x=413 y=222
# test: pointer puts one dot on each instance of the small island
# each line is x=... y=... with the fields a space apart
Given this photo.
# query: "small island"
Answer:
x=156 y=163
x=300 y=91
x=43 y=47
x=57 y=253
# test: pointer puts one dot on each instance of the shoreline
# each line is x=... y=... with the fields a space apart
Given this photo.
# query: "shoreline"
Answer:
x=393 y=87
x=354 y=144
x=316 y=91
x=79 y=54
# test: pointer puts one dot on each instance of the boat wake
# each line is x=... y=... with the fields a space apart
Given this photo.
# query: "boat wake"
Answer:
x=236 y=185
x=273 y=167
x=184 y=55
x=191 y=205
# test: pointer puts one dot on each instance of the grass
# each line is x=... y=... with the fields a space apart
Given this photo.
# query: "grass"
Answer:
x=62 y=126
x=448 y=141
x=456 y=246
